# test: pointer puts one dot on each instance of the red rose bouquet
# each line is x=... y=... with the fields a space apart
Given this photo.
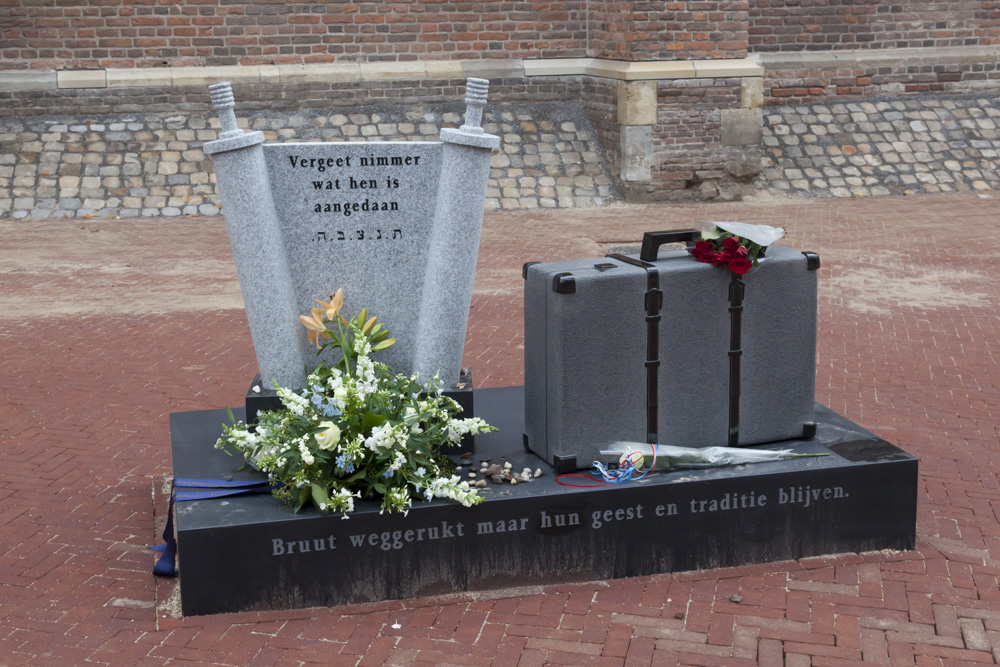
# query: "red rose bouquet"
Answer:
x=739 y=254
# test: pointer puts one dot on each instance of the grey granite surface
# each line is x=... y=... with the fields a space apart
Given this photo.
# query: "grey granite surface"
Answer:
x=394 y=224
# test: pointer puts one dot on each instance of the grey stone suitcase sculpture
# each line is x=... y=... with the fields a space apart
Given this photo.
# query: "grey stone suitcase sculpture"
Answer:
x=663 y=348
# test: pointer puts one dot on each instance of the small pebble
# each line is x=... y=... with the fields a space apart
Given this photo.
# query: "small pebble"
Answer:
x=513 y=482
x=507 y=466
x=497 y=479
x=525 y=476
x=493 y=470
x=472 y=475
x=538 y=472
x=679 y=615
x=466 y=456
x=735 y=598
x=481 y=483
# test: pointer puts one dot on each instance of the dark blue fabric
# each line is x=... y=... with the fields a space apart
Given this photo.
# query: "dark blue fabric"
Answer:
x=166 y=565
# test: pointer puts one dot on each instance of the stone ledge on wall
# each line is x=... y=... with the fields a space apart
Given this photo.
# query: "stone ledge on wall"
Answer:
x=163 y=77
x=785 y=60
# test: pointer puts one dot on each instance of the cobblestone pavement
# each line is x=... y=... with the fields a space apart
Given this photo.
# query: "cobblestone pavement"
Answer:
x=858 y=149
x=108 y=326
x=150 y=165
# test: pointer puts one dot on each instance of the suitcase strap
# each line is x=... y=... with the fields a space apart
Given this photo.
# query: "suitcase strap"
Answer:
x=737 y=290
x=653 y=303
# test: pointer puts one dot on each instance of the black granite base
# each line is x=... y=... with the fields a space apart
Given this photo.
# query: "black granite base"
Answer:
x=251 y=553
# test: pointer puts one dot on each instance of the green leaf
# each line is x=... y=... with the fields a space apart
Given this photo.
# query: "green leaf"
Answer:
x=229 y=413
x=355 y=477
x=319 y=497
x=302 y=499
x=380 y=487
x=370 y=421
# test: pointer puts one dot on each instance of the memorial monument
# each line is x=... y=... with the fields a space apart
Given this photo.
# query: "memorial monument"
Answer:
x=394 y=224
x=397 y=226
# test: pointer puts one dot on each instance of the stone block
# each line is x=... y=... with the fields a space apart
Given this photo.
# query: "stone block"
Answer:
x=27 y=80
x=495 y=69
x=88 y=78
x=556 y=66
x=635 y=71
x=321 y=73
x=637 y=102
x=726 y=68
x=444 y=69
x=742 y=127
x=159 y=77
x=863 y=498
x=393 y=71
x=203 y=76
x=366 y=217
x=636 y=152
x=752 y=92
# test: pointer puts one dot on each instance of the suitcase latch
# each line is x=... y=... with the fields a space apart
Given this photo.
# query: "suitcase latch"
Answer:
x=564 y=283
x=654 y=300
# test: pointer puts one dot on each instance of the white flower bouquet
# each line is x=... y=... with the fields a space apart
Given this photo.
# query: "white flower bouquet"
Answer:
x=358 y=429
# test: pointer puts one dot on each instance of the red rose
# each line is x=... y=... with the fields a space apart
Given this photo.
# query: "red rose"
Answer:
x=727 y=256
x=704 y=246
x=718 y=259
x=742 y=252
x=730 y=243
x=703 y=256
x=740 y=265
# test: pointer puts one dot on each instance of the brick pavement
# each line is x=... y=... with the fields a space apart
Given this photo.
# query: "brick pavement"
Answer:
x=907 y=348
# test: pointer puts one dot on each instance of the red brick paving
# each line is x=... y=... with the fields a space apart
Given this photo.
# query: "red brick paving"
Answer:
x=907 y=348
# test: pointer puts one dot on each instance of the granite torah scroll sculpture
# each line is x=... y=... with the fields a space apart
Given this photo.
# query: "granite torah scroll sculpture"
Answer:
x=663 y=348
x=395 y=224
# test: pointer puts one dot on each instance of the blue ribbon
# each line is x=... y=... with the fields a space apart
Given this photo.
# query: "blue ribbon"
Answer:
x=166 y=565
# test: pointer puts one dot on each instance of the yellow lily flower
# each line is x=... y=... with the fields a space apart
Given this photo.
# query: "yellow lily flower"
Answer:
x=333 y=307
x=316 y=326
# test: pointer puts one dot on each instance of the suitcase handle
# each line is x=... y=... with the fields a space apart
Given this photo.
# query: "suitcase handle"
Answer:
x=651 y=241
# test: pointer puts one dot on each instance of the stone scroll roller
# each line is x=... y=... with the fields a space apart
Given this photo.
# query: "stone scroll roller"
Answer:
x=396 y=224
x=255 y=235
x=458 y=222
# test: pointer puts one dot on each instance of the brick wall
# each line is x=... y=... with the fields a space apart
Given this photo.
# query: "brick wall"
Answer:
x=119 y=33
x=696 y=29
x=790 y=85
x=44 y=34
x=821 y=25
x=600 y=101
x=689 y=161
